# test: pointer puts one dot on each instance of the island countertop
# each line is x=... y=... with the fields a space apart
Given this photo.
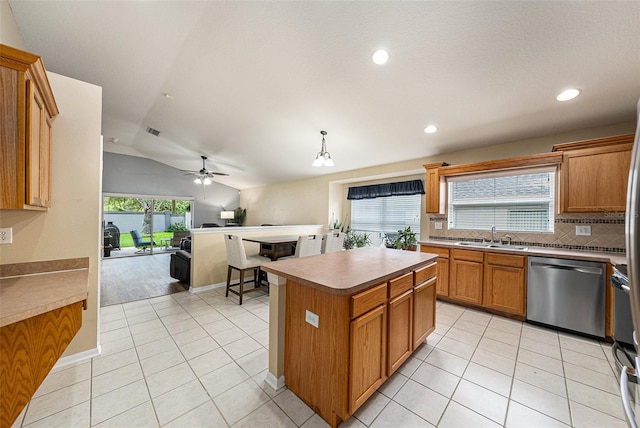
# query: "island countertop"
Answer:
x=33 y=288
x=347 y=272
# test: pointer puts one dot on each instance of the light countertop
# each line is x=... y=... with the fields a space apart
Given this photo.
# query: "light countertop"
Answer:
x=537 y=251
x=30 y=289
x=347 y=272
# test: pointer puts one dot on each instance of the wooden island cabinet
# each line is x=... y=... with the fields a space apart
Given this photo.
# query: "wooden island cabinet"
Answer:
x=352 y=318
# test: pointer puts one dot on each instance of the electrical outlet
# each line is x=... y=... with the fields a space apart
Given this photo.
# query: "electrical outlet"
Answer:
x=6 y=235
x=583 y=230
x=312 y=318
x=438 y=225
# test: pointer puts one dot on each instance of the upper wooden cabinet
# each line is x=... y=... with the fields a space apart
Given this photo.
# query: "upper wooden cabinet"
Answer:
x=594 y=174
x=435 y=188
x=27 y=110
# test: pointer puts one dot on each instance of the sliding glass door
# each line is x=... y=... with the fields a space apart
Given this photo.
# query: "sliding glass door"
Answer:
x=137 y=225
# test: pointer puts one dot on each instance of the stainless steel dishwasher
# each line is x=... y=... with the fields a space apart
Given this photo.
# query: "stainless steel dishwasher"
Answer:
x=569 y=294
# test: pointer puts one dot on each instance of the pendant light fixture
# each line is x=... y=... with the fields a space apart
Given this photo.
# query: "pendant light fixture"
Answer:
x=323 y=158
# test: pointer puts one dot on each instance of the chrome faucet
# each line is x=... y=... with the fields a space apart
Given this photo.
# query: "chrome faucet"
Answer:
x=493 y=232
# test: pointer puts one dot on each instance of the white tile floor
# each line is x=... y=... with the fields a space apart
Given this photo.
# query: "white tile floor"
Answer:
x=190 y=360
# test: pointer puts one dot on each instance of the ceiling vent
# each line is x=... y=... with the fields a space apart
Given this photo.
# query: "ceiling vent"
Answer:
x=152 y=131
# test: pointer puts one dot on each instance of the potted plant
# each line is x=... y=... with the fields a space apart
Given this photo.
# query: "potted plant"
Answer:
x=406 y=240
x=352 y=239
x=240 y=215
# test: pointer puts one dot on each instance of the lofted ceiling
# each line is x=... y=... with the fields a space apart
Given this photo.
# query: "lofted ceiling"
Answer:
x=252 y=84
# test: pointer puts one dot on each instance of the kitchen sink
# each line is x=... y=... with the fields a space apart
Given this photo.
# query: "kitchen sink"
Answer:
x=490 y=245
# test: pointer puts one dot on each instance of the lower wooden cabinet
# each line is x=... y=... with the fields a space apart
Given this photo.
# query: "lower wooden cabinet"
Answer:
x=28 y=351
x=400 y=330
x=357 y=341
x=504 y=283
x=424 y=310
x=466 y=276
x=442 y=287
x=367 y=355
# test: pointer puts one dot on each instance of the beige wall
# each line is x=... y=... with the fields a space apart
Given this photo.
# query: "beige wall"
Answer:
x=71 y=227
x=322 y=199
x=9 y=33
x=208 y=251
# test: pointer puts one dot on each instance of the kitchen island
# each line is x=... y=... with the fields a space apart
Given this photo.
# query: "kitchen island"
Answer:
x=341 y=323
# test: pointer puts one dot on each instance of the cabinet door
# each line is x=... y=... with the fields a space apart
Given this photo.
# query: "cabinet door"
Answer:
x=367 y=355
x=400 y=330
x=38 y=150
x=466 y=281
x=424 y=310
x=442 y=285
x=505 y=289
x=595 y=180
x=432 y=201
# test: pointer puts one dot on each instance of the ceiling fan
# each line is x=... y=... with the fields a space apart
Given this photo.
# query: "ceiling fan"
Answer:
x=203 y=176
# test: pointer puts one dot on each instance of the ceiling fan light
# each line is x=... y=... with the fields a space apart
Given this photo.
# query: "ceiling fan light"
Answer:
x=207 y=181
x=197 y=180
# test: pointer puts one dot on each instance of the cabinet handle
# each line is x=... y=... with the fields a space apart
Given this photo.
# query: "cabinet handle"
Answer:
x=428 y=281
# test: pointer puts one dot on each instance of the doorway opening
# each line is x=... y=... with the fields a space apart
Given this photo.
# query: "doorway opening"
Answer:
x=137 y=225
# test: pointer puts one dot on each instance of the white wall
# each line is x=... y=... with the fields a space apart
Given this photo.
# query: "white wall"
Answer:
x=71 y=227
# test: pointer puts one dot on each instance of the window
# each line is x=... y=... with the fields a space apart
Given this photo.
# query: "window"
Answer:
x=519 y=201
x=387 y=215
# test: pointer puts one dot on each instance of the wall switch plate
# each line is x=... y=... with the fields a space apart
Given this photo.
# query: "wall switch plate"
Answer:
x=312 y=318
x=583 y=230
x=438 y=225
x=6 y=235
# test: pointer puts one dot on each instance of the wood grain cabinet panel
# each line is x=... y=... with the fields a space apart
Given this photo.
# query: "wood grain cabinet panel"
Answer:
x=466 y=276
x=505 y=289
x=435 y=190
x=594 y=174
x=27 y=111
x=442 y=285
x=424 y=313
x=400 y=330
x=28 y=351
x=367 y=356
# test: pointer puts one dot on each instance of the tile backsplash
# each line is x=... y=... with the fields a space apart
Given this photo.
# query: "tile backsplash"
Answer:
x=607 y=233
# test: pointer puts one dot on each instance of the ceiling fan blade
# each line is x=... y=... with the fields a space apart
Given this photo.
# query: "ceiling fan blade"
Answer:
x=216 y=173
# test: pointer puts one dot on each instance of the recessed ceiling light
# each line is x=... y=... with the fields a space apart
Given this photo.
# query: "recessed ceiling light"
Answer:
x=167 y=95
x=569 y=94
x=430 y=129
x=380 y=56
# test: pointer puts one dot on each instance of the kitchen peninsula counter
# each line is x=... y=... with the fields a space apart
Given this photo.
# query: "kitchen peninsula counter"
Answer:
x=341 y=323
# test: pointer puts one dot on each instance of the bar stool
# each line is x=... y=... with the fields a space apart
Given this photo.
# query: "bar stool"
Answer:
x=332 y=242
x=308 y=245
x=237 y=259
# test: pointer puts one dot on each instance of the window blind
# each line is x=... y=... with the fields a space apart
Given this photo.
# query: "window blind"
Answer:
x=513 y=201
x=386 y=215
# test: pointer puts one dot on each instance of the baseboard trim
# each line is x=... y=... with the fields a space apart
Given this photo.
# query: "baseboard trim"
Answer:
x=75 y=358
x=196 y=290
x=274 y=382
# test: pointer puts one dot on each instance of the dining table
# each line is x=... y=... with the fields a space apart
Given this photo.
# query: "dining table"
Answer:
x=276 y=246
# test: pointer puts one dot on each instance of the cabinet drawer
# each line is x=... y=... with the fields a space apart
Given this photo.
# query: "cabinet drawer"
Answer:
x=506 y=260
x=441 y=252
x=469 y=255
x=367 y=300
x=400 y=285
x=421 y=275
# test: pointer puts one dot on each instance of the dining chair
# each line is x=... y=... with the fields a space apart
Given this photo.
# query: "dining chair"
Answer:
x=332 y=242
x=307 y=245
x=237 y=259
